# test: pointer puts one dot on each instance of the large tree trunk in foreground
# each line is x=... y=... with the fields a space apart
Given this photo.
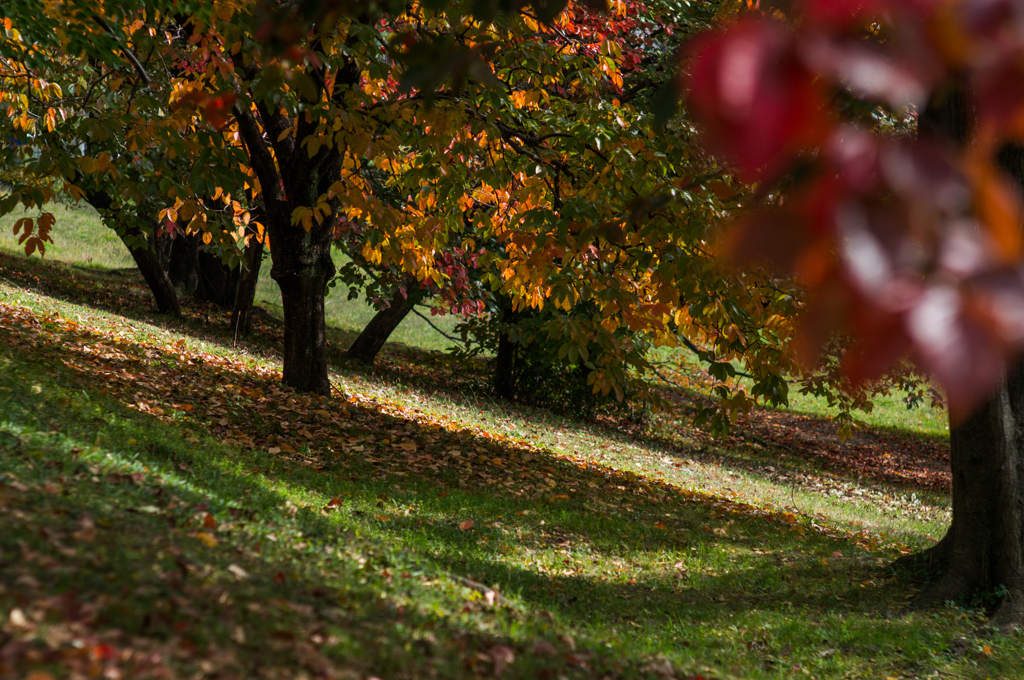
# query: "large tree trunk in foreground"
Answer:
x=982 y=554
x=372 y=338
x=292 y=178
x=983 y=551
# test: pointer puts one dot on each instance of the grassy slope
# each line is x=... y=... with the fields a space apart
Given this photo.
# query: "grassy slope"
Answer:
x=80 y=238
x=164 y=496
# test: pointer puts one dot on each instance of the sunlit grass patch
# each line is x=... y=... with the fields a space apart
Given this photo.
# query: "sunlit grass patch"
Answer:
x=405 y=531
x=79 y=236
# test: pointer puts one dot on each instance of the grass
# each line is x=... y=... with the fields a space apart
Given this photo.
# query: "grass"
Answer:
x=170 y=510
x=81 y=238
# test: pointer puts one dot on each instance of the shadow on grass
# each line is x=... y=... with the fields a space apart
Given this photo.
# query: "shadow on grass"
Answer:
x=363 y=505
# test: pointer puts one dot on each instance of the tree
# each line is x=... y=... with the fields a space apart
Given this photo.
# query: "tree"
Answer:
x=90 y=119
x=546 y=143
x=911 y=246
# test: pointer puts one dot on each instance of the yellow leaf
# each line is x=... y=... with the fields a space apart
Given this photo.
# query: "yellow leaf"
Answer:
x=207 y=539
x=207 y=237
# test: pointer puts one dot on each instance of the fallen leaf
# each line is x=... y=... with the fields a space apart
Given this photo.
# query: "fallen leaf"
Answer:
x=544 y=648
x=18 y=618
x=467 y=525
x=38 y=675
x=207 y=539
x=502 y=656
x=238 y=571
x=209 y=521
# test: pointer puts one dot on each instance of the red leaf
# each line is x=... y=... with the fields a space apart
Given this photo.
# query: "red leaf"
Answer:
x=218 y=109
x=960 y=350
x=757 y=101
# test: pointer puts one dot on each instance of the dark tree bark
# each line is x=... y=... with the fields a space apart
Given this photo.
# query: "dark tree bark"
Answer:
x=372 y=338
x=241 y=313
x=302 y=266
x=196 y=273
x=301 y=258
x=507 y=360
x=152 y=268
x=505 y=368
x=983 y=550
x=147 y=259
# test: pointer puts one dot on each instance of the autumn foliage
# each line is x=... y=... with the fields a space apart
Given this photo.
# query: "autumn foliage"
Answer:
x=909 y=244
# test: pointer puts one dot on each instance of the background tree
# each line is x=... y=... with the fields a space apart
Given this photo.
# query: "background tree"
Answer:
x=88 y=117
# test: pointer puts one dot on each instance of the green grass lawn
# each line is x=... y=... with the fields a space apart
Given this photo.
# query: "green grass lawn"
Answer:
x=78 y=237
x=81 y=238
x=171 y=511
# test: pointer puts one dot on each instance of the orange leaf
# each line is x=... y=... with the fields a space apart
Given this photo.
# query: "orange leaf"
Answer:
x=207 y=539
x=467 y=525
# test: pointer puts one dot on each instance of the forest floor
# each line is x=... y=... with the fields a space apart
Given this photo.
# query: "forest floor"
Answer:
x=169 y=510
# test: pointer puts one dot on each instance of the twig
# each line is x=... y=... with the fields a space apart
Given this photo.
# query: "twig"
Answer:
x=431 y=324
x=484 y=590
x=124 y=50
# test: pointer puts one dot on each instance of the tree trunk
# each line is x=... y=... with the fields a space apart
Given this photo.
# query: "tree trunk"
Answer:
x=370 y=341
x=982 y=554
x=148 y=262
x=302 y=266
x=508 y=361
x=146 y=257
x=505 y=367
x=291 y=178
x=241 y=314
x=199 y=274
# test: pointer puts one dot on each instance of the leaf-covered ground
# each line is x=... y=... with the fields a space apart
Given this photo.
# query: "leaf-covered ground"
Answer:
x=170 y=511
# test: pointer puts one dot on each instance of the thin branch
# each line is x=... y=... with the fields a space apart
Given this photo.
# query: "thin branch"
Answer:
x=431 y=324
x=128 y=54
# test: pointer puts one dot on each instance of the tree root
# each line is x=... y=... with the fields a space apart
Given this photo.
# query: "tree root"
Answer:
x=1009 y=616
x=925 y=565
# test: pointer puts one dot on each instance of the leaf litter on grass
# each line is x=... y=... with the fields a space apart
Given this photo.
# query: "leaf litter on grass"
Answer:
x=365 y=440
